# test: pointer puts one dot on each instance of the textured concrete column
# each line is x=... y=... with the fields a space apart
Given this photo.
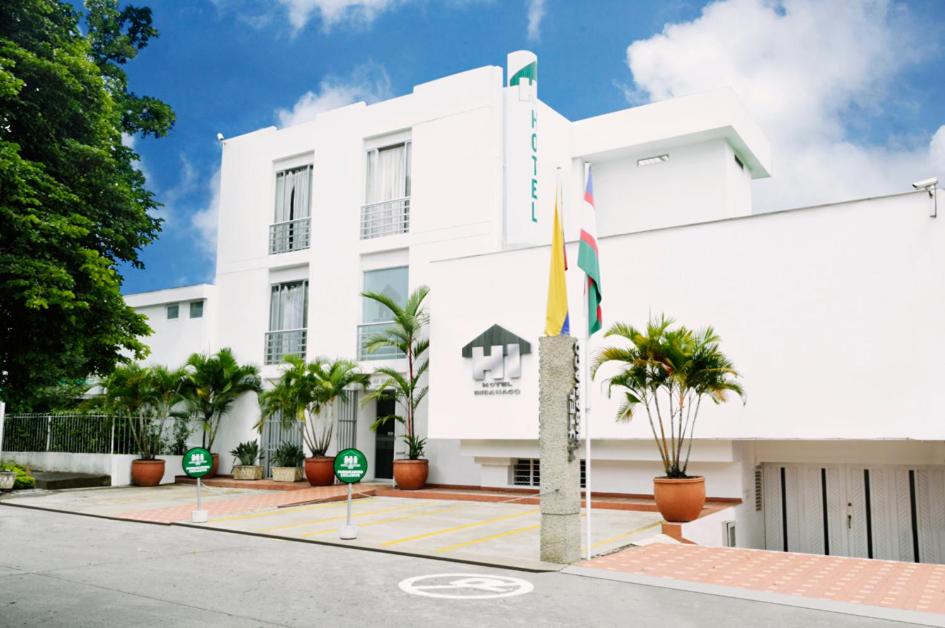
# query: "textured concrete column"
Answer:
x=560 y=478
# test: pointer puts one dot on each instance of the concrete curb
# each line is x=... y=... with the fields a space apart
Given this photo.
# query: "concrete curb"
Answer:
x=818 y=604
x=83 y=514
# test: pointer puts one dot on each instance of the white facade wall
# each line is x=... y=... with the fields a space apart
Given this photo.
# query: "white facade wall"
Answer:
x=831 y=314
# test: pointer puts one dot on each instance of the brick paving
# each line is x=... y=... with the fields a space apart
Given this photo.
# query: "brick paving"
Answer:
x=245 y=504
x=884 y=583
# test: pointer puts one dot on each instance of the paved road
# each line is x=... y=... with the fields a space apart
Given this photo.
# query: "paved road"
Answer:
x=67 y=570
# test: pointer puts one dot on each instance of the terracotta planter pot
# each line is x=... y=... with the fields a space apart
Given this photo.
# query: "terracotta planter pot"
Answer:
x=679 y=499
x=147 y=472
x=320 y=471
x=213 y=467
x=411 y=475
x=247 y=472
x=286 y=474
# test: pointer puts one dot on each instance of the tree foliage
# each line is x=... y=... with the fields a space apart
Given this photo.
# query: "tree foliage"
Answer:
x=73 y=204
x=405 y=336
x=668 y=371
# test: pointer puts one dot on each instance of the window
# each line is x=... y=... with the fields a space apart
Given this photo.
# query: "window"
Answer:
x=288 y=320
x=391 y=282
x=387 y=197
x=527 y=472
x=196 y=309
x=291 y=228
x=173 y=311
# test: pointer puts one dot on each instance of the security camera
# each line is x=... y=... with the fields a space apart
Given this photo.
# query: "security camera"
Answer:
x=926 y=183
x=219 y=137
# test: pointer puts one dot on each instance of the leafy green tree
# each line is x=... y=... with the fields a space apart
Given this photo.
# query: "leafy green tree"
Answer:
x=73 y=204
x=668 y=371
x=405 y=336
x=212 y=384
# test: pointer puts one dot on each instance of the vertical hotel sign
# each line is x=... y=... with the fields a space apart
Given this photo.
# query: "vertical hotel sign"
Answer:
x=522 y=203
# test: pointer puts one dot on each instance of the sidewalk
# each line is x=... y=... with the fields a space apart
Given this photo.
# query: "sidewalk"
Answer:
x=877 y=588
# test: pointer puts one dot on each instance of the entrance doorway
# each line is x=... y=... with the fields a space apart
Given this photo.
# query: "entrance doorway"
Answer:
x=384 y=440
x=877 y=511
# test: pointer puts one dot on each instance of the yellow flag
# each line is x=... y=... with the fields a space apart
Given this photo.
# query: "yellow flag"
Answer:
x=556 y=318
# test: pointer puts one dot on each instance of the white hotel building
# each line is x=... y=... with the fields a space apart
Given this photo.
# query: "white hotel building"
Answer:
x=834 y=315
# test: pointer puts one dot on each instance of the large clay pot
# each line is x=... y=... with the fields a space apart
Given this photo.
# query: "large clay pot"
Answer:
x=320 y=471
x=679 y=499
x=411 y=475
x=147 y=472
x=213 y=467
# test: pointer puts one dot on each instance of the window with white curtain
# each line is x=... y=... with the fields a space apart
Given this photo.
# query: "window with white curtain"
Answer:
x=293 y=194
x=288 y=306
x=388 y=173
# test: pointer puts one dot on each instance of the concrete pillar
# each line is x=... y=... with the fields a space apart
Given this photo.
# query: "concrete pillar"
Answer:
x=560 y=477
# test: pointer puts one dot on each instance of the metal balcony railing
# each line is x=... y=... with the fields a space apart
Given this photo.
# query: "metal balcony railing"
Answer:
x=282 y=343
x=365 y=332
x=385 y=218
x=291 y=235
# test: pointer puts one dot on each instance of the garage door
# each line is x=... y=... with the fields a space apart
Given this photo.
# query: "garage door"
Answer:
x=881 y=511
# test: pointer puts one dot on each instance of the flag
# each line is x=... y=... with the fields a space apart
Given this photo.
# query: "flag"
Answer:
x=556 y=317
x=588 y=259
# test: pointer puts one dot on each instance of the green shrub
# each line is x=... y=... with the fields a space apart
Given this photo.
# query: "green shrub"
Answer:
x=23 y=477
x=288 y=455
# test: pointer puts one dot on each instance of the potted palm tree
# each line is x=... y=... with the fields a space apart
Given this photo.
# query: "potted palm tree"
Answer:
x=405 y=335
x=669 y=371
x=246 y=454
x=212 y=384
x=309 y=393
x=146 y=397
x=287 y=462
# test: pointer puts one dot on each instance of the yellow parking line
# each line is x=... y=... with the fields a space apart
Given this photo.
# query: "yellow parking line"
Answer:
x=465 y=526
x=388 y=519
x=617 y=537
x=277 y=511
x=491 y=537
x=307 y=522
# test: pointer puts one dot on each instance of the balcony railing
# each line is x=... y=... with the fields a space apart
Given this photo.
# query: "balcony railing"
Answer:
x=282 y=343
x=385 y=218
x=291 y=235
x=365 y=332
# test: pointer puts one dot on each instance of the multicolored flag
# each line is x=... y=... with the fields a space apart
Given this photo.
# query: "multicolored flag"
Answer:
x=556 y=317
x=588 y=259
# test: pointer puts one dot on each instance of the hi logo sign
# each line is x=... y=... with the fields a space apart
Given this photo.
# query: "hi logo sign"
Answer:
x=496 y=360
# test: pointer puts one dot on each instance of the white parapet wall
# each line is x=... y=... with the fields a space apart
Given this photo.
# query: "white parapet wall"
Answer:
x=116 y=466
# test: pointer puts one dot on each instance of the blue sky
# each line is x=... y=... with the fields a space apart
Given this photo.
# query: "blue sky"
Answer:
x=850 y=94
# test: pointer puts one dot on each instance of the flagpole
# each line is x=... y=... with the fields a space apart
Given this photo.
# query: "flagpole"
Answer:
x=586 y=414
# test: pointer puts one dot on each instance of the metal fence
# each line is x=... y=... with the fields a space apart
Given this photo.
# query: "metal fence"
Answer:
x=365 y=332
x=75 y=433
x=292 y=235
x=282 y=343
x=385 y=218
x=273 y=435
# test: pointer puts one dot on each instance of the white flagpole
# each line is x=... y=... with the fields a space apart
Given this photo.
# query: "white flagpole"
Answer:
x=585 y=401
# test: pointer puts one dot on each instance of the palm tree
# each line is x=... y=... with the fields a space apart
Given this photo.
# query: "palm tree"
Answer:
x=309 y=393
x=146 y=396
x=669 y=371
x=212 y=384
x=404 y=336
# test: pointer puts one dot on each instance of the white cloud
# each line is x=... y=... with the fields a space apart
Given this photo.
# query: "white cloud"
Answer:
x=204 y=221
x=536 y=11
x=334 y=12
x=809 y=71
x=368 y=82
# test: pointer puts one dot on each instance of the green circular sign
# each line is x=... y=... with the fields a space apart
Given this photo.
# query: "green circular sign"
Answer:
x=350 y=466
x=197 y=462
